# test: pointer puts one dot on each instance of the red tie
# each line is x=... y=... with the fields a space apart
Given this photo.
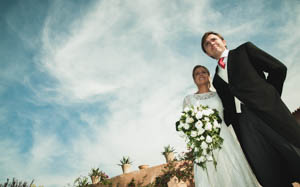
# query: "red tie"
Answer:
x=221 y=63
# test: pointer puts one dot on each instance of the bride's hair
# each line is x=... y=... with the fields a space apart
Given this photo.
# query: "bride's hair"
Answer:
x=199 y=66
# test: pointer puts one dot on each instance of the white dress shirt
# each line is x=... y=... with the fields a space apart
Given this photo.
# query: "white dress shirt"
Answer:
x=223 y=73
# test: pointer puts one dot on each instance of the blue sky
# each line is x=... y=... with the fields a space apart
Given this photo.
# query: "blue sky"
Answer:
x=83 y=83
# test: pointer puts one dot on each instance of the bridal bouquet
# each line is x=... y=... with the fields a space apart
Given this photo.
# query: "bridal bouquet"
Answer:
x=201 y=127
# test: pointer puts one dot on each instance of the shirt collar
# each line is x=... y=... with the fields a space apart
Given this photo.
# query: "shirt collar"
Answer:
x=225 y=53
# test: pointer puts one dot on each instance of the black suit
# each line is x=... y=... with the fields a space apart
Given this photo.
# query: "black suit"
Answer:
x=263 y=111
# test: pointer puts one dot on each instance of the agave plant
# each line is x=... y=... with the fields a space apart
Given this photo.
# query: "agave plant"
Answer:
x=168 y=149
x=125 y=160
x=81 y=182
x=95 y=172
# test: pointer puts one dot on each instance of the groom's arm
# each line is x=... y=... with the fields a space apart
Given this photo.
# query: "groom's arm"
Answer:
x=267 y=63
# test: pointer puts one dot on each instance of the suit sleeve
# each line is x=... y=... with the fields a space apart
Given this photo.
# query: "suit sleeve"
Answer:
x=267 y=63
x=227 y=118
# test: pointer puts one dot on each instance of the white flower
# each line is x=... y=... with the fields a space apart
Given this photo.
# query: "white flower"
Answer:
x=186 y=109
x=209 y=158
x=198 y=103
x=186 y=126
x=199 y=124
x=208 y=139
x=199 y=115
x=193 y=134
x=204 y=145
x=204 y=122
x=208 y=126
x=189 y=120
x=208 y=112
x=182 y=134
x=201 y=131
x=216 y=124
x=181 y=124
x=200 y=159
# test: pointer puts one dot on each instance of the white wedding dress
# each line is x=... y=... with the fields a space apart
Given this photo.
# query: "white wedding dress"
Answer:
x=232 y=169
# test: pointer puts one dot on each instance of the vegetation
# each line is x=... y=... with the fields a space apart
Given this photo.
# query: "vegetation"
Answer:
x=125 y=160
x=95 y=172
x=139 y=184
x=16 y=183
x=182 y=170
x=132 y=183
x=168 y=149
x=81 y=181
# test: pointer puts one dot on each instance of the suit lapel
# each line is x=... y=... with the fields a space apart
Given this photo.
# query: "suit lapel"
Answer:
x=229 y=67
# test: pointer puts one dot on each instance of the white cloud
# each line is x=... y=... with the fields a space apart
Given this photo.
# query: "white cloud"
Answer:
x=288 y=47
x=99 y=58
x=9 y=158
x=123 y=50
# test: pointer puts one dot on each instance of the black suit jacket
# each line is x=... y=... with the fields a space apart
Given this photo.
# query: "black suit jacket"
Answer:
x=246 y=66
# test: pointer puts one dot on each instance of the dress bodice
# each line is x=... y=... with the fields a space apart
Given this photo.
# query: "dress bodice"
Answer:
x=211 y=99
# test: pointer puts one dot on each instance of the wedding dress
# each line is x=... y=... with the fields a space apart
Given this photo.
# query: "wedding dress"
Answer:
x=232 y=168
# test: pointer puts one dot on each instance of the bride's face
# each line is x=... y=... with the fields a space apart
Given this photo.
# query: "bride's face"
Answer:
x=201 y=77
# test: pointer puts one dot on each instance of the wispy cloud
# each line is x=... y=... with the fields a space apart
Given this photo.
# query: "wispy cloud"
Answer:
x=116 y=78
x=288 y=47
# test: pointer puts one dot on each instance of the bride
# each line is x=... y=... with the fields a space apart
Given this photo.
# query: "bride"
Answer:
x=232 y=167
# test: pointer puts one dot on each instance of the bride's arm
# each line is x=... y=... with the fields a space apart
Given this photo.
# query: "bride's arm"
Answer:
x=185 y=103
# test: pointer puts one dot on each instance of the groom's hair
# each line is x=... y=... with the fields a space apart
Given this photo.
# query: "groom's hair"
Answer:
x=205 y=35
x=199 y=66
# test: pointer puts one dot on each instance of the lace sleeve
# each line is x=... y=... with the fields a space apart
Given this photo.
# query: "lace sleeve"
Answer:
x=185 y=102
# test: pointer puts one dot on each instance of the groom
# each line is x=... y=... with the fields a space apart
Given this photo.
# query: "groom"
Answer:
x=267 y=131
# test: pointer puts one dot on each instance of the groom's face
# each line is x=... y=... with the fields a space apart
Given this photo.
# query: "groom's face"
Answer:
x=214 y=46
